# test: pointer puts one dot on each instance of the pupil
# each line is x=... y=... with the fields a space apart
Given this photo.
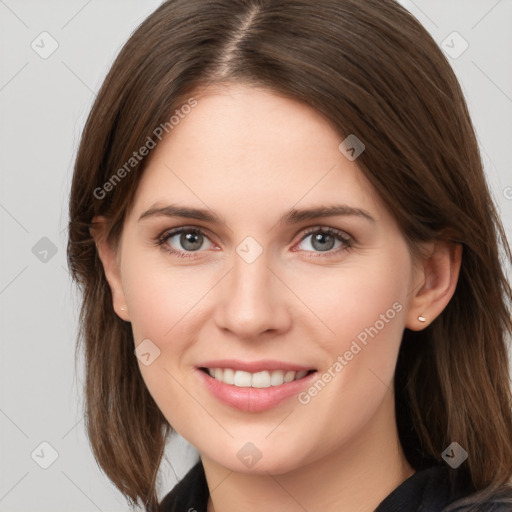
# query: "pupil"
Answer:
x=324 y=246
x=190 y=241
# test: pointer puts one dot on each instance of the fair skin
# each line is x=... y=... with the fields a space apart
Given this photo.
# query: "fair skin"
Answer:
x=250 y=156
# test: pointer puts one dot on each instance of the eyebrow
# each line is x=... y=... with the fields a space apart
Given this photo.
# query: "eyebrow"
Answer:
x=293 y=216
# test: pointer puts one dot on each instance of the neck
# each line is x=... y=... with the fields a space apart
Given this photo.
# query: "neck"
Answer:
x=355 y=477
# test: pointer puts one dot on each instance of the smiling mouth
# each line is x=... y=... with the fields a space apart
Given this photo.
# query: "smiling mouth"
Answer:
x=263 y=379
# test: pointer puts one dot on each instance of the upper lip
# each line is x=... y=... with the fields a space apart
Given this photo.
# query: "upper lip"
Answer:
x=254 y=366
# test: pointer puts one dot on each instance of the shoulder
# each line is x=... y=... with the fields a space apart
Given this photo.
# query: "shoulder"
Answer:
x=190 y=494
x=465 y=498
x=499 y=500
x=443 y=489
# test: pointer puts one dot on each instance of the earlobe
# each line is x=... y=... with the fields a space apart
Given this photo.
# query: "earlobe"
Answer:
x=108 y=257
x=435 y=282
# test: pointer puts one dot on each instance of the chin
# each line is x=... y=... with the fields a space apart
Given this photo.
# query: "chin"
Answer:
x=250 y=460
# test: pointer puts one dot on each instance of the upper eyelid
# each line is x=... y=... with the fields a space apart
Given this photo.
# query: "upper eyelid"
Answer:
x=170 y=233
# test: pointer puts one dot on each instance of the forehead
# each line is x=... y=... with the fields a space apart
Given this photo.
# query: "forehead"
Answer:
x=237 y=119
x=252 y=150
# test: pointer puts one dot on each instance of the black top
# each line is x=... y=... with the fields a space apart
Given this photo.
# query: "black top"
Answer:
x=429 y=490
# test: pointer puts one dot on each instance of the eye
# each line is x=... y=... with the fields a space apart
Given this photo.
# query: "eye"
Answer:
x=182 y=241
x=325 y=240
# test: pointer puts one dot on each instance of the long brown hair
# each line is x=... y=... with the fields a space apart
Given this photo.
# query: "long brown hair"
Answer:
x=372 y=69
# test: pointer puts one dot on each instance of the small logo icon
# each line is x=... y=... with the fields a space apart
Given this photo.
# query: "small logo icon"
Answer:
x=147 y=352
x=249 y=455
x=351 y=147
x=454 y=455
x=454 y=45
x=44 y=455
x=249 y=249
x=44 y=250
x=44 y=45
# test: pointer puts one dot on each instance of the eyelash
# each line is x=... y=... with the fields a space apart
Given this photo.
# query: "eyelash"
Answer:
x=338 y=235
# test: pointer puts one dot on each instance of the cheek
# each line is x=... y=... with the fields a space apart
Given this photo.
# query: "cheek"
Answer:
x=353 y=298
x=365 y=307
x=362 y=308
x=162 y=303
x=160 y=299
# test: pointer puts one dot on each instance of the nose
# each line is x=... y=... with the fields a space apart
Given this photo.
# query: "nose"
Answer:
x=252 y=301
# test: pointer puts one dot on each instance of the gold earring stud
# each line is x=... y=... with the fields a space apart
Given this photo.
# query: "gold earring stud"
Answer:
x=421 y=318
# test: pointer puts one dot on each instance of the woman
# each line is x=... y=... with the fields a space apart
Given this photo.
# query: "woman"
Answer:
x=289 y=255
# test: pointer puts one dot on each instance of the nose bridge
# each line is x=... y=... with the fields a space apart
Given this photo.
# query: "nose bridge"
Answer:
x=251 y=302
x=250 y=279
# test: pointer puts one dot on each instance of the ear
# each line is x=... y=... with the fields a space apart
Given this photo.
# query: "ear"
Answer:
x=111 y=264
x=434 y=283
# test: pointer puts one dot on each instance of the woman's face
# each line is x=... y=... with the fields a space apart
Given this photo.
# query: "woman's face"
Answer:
x=261 y=287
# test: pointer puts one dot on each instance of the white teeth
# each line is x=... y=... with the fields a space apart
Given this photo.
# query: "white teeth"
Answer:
x=264 y=379
x=261 y=380
x=242 y=379
x=289 y=376
x=228 y=376
x=276 y=378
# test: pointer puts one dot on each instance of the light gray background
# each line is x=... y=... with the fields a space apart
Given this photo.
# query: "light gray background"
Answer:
x=43 y=105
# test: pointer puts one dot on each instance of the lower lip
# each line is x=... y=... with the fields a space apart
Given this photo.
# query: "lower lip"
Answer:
x=254 y=399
